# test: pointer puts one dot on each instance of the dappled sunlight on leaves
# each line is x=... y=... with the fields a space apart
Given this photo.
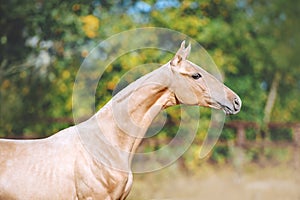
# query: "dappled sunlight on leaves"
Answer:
x=91 y=25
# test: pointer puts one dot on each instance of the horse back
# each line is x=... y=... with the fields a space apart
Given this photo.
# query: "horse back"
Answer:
x=42 y=167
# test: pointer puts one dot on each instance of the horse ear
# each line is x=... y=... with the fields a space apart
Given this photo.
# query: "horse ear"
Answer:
x=181 y=54
x=188 y=50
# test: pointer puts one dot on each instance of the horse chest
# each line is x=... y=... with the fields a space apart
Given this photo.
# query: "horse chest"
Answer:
x=96 y=181
x=104 y=186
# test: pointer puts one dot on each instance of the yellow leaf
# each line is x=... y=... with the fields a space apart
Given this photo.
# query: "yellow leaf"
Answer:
x=5 y=84
x=66 y=74
x=91 y=25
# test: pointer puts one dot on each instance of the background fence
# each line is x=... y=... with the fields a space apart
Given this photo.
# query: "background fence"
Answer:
x=280 y=145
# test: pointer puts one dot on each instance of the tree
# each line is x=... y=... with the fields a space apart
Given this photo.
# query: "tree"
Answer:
x=277 y=37
x=44 y=42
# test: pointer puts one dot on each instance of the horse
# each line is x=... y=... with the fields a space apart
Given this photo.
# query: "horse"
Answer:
x=92 y=160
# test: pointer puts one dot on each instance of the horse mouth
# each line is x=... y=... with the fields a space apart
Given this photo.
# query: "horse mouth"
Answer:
x=219 y=106
x=227 y=110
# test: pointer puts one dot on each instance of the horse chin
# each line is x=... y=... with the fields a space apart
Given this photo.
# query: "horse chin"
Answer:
x=227 y=110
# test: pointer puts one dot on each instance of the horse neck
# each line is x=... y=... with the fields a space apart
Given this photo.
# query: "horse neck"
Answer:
x=130 y=112
x=113 y=134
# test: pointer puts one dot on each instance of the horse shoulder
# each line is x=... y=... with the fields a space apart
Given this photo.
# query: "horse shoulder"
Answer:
x=93 y=180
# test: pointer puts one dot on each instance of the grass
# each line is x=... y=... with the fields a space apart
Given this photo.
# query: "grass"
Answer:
x=215 y=182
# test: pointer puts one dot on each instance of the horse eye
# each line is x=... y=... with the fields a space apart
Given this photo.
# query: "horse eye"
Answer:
x=196 y=76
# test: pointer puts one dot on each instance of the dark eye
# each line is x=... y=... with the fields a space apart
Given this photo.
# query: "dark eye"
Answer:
x=196 y=76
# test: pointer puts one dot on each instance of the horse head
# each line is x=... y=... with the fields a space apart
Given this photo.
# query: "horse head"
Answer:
x=193 y=85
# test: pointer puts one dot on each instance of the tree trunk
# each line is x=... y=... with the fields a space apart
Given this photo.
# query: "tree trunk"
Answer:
x=270 y=104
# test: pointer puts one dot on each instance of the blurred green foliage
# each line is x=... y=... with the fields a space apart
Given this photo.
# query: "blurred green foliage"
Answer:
x=281 y=134
x=43 y=43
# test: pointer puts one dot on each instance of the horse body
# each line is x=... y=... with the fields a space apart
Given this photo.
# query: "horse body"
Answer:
x=92 y=160
x=57 y=167
x=30 y=170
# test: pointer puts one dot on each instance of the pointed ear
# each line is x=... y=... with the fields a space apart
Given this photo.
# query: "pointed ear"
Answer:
x=181 y=54
x=187 y=51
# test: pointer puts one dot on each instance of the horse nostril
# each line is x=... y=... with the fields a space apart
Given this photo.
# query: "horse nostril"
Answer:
x=237 y=104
